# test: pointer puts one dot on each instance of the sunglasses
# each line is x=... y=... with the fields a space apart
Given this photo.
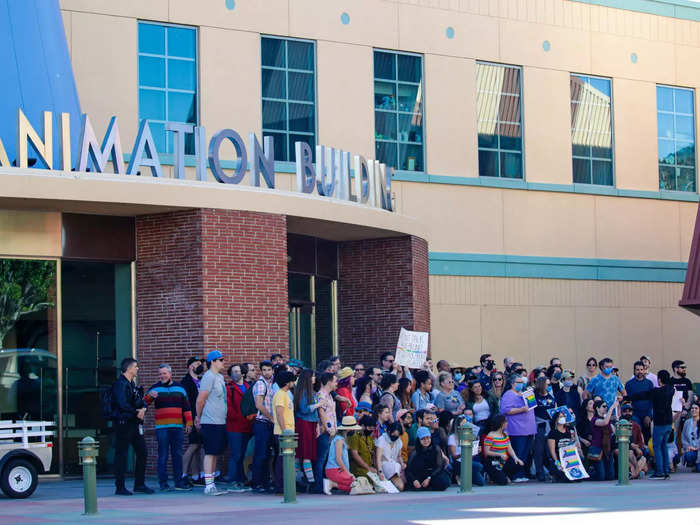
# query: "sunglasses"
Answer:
x=603 y=406
x=498 y=379
x=359 y=370
x=589 y=365
x=389 y=360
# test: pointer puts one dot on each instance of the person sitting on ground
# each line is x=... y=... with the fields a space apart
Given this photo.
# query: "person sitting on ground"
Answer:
x=362 y=448
x=382 y=414
x=448 y=398
x=638 y=463
x=338 y=465
x=455 y=449
x=406 y=421
x=426 y=466
x=690 y=440
x=501 y=462
x=562 y=434
x=389 y=460
x=362 y=409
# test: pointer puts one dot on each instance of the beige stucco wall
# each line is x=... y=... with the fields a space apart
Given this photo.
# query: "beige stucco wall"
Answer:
x=535 y=319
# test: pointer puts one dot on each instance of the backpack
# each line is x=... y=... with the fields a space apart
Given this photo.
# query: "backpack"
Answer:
x=106 y=404
x=248 y=407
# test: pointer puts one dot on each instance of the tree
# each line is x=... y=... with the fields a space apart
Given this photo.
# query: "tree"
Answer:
x=24 y=289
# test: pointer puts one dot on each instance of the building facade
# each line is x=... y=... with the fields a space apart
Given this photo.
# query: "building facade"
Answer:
x=540 y=198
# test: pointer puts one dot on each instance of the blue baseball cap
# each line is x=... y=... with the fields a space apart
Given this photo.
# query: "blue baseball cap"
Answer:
x=214 y=354
x=364 y=405
x=423 y=432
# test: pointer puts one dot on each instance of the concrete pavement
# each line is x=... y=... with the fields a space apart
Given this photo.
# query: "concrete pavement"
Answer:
x=643 y=501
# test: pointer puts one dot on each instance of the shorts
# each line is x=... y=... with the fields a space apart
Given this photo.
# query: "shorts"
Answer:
x=214 y=439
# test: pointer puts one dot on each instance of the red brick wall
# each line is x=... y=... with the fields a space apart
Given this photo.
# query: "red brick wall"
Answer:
x=383 y=286
x=209 y=279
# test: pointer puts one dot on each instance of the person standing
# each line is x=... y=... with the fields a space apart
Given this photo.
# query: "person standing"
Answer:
x=192 y=468
x=283 y=417
x=642 y=407
x=568 y=395
x=545 y=401
x=128 y=410
x=172 y=412
x=606 y=385
x=487 y=367
x=521 y=424
x=238 y=427
x=211 y=418
x=263 y=428
x=328 y=425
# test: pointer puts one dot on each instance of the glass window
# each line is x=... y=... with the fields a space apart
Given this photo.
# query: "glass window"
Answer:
x=675 y=110
x=288 y=94
x=398 y=110
x=167 y=80
x=499 y=121
x=591 y=130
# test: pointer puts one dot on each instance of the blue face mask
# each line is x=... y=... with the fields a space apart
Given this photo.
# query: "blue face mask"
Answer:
x=519 y=386
x=549 y=389
x=607 y=370
x=469 y=419
x=459 y=377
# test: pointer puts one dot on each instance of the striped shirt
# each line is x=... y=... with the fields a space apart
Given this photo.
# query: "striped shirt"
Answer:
x=497 y=444
x=172 y=406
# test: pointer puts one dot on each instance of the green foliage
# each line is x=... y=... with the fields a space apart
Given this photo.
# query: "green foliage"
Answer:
x=24 y=289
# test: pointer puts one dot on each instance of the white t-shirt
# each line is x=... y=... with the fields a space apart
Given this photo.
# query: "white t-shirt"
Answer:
x=452 y=441
x=481 y=410
x=390 y=449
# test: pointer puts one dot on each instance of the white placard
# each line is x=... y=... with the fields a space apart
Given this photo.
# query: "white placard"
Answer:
x=412 y=348
x=677 y=402
x=571 y=463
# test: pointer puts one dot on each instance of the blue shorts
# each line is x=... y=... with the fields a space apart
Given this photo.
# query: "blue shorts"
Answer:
x=214 y=439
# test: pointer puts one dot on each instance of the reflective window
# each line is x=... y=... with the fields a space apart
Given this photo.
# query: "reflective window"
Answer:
x=676 y=131
x=288 y=94
x=167 y=64
x=398 y=110
x=499 y=120
x=591 y=130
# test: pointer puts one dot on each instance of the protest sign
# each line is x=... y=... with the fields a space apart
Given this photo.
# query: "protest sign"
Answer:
x=412 y=348
x=529 y=398
x=568 y=414
x=571 y=463
x=677 y=402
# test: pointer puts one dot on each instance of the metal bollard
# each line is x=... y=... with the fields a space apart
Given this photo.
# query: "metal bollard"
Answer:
x=288 y=445
x=466 y=438
x=624 y=431
x=87 y=451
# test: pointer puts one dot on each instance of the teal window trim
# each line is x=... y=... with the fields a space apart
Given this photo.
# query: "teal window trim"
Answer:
x=674 y=114
x=523 y=266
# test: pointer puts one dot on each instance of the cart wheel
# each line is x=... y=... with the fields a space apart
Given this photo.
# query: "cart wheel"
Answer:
x=19 y=478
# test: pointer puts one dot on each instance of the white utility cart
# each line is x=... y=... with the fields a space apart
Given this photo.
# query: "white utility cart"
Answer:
x=25 y=452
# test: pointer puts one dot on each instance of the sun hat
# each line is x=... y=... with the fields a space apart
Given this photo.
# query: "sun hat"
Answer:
x=423 y=432
x=349 y=423
x=363 y=405
x=214 y=354
x=345 y=372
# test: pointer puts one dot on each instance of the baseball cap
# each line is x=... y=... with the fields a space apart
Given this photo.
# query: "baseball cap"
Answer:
x=423 y=432
x=363 y=405
x=214 y=354
x=193 y=360
x=295 y=363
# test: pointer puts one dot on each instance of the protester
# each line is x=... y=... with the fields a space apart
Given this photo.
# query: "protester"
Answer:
x=346 y=381
x=691 y=438
x=389 y=457
x=363 y=390
x=238 y=427
x=362 y=448
x=283 y=418
x=561 y=434
x=407 y=447
x=359 y=370
x=488 y=366
x=389 y=385
x=507 y=364
x=680 y=382
x=568 y=395
x=545 y=401
x=423 y=398
x=193 y=470
x=447 y=398
x=646 y=361
x=498 y=385
x=172 y=416
x=426 y=465
x=306 y=404
x=638 y=464
x=335 y=364
x=501 y=460
x=404 y=393
x=386 y=361
x=362 y=409
x=482 y=404
x=295 y=366
x=376 y=376
x=605 y=384
x=455 y=449
x=263 y=429
x=128 y=411
x=460 y=377
x=338 y=466
x=661 y=398
x=211 y=418
x=277 y=359
x=590 y=372
x=443 y=366
x=521 y=423
x=327 y=428
x=382 y=414
x=600 y=452
x=642 y=407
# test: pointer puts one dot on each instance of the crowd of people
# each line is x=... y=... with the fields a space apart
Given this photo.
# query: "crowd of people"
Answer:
x=387 y=428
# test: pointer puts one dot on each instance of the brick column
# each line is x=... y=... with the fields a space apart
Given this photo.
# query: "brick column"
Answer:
x=209 y=279
x=383 y=286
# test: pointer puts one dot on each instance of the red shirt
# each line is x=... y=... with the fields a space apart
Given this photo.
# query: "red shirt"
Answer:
x=235 y=421
x=346 y=392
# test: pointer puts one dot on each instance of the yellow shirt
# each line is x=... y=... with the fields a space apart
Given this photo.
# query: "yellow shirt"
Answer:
x=283 y=399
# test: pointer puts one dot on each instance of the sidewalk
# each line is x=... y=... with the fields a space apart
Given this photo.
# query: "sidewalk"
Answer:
x=641 y=502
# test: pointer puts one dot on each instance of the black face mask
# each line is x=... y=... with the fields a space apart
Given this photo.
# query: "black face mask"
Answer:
x=367 y=432
x=351 y=433
x=394 y=437
x=489 y=365
x=199 y=370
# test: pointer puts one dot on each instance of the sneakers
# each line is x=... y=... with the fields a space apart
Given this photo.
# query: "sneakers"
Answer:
x=657 y=476
x=520 y=480
x=165 y=487
x=143 y=489
x=327 y=486
x=122 y=491
x=211 y=490
x=238 y=487
x=182 y=487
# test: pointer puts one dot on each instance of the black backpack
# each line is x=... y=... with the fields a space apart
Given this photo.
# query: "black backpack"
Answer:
x=248 y=407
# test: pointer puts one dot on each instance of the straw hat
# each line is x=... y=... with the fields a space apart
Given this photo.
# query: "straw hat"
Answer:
x=344 y=373
x=349 y=423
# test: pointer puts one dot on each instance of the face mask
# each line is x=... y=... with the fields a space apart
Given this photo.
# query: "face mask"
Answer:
x=236 y=376
x=367 y=432
x=459 y=377
x=568 y=383
x=350 y=433
x=607 y=370
x=489 y=366
x=469 y=419
x=199 y=370
x=519 y=387
x=561 y=421
x=393 y=437
x=550 y=389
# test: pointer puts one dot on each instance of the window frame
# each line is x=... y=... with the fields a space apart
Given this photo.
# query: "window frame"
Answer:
x=165 y=89
x=674 y=113
x=521 y=123
x=612 y=135
x=397 y=112
x=287 y=132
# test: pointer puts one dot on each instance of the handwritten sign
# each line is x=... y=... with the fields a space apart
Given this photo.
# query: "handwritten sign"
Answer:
x=412 y=348
x=529 y=398
x=571 y=463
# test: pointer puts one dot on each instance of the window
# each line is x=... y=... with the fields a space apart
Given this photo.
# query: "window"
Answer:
x=499 y=120
x=398 y=110
x=288 y=94
x=676 y=124
x=168 y=80
x=591 y=130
